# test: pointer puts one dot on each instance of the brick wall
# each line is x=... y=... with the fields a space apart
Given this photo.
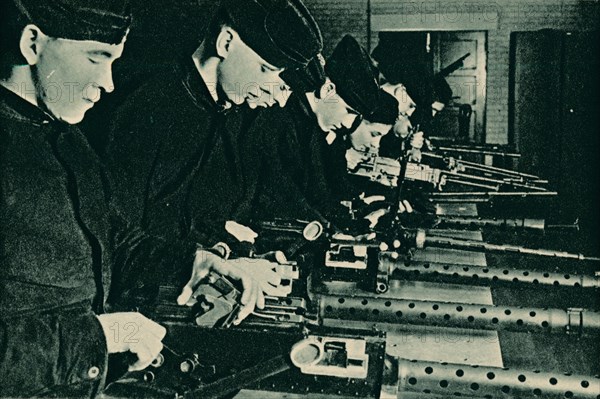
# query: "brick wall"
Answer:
x=339 y=17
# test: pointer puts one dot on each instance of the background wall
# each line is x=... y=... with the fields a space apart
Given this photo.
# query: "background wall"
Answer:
x=526 y=15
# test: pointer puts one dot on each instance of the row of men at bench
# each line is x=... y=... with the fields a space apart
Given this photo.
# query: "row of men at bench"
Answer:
x=192 y=154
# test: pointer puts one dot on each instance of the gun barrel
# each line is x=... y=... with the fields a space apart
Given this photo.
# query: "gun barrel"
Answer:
x=514 y=223
x=470 y=184
x=494 y=169
x=499 y=182
x=489 y=275
x=447 y=380
x=480 y=151
x=485 y=196
x=284 y=226
x=470 y=245
x=371 y=309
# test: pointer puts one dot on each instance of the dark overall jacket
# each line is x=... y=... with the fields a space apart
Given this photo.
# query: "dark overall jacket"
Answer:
x=180 y=163
x=61 y=245
x=302 y=175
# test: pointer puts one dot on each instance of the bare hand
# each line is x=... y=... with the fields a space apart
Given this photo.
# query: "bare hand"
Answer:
x=257 y=276
x=417 y=141
x=354 y=158
x=135 y=333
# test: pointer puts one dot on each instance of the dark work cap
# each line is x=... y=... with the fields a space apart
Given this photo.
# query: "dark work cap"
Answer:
x=385 y=111
x=351 y=70
x=308 y=79
x=282 y=32
x=441 y=90
x=105 y=21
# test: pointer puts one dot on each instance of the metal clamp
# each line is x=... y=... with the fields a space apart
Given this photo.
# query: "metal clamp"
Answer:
x=574 y=321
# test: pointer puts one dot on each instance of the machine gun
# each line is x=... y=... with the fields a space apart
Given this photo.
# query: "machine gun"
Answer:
x=452 y=67
x=400 y=238
x=452 y=171
x=205 y=356
x=421 y=238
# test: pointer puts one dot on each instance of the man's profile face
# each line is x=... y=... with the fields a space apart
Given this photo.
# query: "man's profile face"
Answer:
x=70 y=76
x=245 y=77
x=406 y=105
x=334 y=114
x=367 y=136
x=402 y=127
x=437 y=107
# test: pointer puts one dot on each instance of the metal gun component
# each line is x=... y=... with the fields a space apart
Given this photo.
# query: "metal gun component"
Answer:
x=349 y=262
x=446 y=380
x=485 y=196
x=509 y=175
x=217 y=302
x=310 y=233
x=471 y=245
x=281 y=311
x=453 y=66
x=307 y=231
x=194 y=380
x=459 y=315
x=515 y=223
x=420 y=238
x=469 y=183
x=382 y=278
x=488 y=274
x=387 y=171
x=479 y=181
x=288 y=274
x=295 y=226
x=335 y=357
x=347 y=256
x=191 y=366
x=505 y=223
x=479 y=150
x=462 y=165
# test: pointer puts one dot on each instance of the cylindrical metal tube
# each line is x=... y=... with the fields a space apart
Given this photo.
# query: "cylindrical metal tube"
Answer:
x=471 y=245
x=480 y=151
x=489 y=274
x=450 y=200
x=470 y=184
x=514 y=223
x=491 y=382
x=494 y=169
x=500 y=182
x=461 y=315
x=485 y=194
